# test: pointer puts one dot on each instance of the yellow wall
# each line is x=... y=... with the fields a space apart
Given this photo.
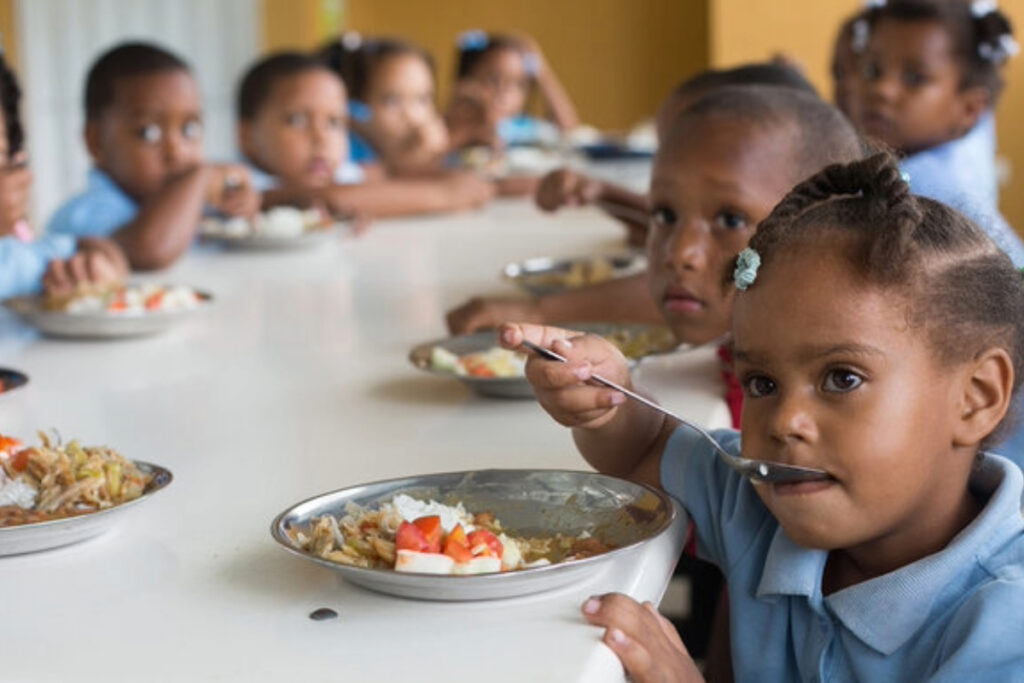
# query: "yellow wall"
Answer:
x=9 y=33
x=742 y=31
x=617 y=58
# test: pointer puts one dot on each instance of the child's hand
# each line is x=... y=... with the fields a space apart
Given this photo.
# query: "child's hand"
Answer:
x=566 y=188
x=480 y=313
x=646 y=642
x=468 y=190
x=229 y=190
x=98 y=263
x=15 y=184
x=562 y=388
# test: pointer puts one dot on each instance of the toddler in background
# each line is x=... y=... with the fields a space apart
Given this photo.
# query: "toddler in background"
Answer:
x=58 y=264
x=149 y=183
x=291 y=127
x=929 y=78
x=393 y=117
x=879 y=337
x=494 y=77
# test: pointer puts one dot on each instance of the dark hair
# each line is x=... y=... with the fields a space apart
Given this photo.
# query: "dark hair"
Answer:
x=355 y=58
x=10 y=100
x=757 y=73
x=261 y=77
x=958 y=285
x=821 y=134
x=979 y=42
x=474 y=46
x=126 y=60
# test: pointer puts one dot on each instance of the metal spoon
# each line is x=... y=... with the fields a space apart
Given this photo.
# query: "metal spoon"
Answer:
x=755 y=470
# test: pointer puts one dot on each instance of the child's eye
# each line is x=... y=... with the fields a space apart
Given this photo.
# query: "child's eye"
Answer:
x=150 y=133
x=334 y=122
x=731 y=220
x=297 y=120
x=392 y=100
x=192 y=130
x=913 y=79
x=841 y=381
x=871 y=70
x=758 y=386
x=663 y=217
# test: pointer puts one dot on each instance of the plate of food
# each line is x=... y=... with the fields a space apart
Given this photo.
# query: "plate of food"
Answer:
x=11 y=380
x=490 y=370
x=123 y=311
x=541 y=276
x=475 y=535
x=55 y=494
x=282 y=227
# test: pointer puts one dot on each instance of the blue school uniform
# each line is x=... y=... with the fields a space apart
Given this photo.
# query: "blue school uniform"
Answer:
x=526 y=130
x=360 y=151
x=951 y=616
x=962 y=174
x=22 y=264
x=99 y=211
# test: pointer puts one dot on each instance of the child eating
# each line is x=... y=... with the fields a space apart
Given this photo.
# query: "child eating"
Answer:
x=149 y=183
x=879 y=337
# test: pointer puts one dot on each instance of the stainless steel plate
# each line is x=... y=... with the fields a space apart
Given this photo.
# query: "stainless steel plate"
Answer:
x=99 y=325
x=507 y=387
x=259 y=242
x=526 y=502
x=11 y=379
x=541 y=276
x=54 y=533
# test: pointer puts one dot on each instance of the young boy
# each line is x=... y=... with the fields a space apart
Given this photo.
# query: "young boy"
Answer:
x=291 y=112
x=144 y=132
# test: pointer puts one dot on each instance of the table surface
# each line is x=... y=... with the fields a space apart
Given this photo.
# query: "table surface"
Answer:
x=295 y=383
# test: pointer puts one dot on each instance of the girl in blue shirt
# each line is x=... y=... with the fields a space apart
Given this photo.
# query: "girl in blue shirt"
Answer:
x=878 y=336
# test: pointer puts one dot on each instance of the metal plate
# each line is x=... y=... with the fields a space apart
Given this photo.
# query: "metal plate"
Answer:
x=99 y=325
x=11 y=380
x=505 y=387
x=541 y=276
x=526 y=502
x=54 y=533
x=259 y=242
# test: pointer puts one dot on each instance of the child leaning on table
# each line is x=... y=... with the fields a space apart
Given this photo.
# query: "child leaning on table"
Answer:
x=878 y=336
x=929 y=77
x=28 y=264
x=149 y=182
x=291 y=127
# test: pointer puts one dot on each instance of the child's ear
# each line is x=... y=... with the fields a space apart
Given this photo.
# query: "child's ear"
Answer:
x=93 y=142
x=973 y=103
x=987 y=390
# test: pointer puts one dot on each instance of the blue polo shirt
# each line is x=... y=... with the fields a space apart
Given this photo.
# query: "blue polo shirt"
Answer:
x=957 y=615
x=99 y=211
x=22 y=264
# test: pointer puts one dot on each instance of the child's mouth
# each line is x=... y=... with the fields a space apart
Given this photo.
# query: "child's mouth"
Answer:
x=802 y=487
x=680 y=301
x=318 y=168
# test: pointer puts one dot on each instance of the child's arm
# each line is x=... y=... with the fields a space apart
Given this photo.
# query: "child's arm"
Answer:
x=618 y=437
x=647 y=643
x=559 y=105
x=622 y=300
x=97 y=262
x=166 y=224
x=564 y=187
x=396 y=197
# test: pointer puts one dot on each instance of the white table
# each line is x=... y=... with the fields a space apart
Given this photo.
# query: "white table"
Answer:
x=297 y=383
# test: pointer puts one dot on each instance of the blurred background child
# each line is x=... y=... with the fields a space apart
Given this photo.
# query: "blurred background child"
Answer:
x=495 y=76
x=149 y=183
x=292 y=109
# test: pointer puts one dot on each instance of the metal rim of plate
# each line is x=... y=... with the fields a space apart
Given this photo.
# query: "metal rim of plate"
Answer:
x=259 y=242
x=100 y=325
x=520 y=273
x=56 y=533
x=635 y=501
x=504 y=387
x=11 y=379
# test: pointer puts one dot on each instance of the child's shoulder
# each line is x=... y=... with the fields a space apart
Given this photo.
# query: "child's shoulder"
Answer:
x=97 y=211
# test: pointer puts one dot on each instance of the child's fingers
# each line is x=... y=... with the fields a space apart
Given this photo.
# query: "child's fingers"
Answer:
x=635 y=658
x=56 y=280
x=670 y=631
x=78 y=269
x=512 y=335
x=579 y=405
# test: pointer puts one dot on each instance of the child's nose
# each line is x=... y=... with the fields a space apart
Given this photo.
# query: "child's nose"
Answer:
x=688 y=248
x=791 y=419
x=884 y=87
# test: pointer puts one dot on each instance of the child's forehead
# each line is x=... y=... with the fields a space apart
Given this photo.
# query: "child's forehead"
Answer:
x=154 y=93
x=303 y=85
x=921 y=38
x=736 y=149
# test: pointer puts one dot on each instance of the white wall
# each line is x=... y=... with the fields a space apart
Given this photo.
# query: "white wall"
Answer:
x=60 y=39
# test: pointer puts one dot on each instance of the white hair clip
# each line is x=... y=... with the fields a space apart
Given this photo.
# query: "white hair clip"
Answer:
x=860 y=34
x=983 y=8
x=351 y=40
x=874 y=4
x=1004 y=48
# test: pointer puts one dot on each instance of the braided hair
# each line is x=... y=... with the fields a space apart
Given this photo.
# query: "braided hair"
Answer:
x=982 y=36
x=355 y=58
x=958 y=286
x=10 y=99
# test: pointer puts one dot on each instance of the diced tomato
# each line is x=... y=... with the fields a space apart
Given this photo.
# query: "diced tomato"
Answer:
x=410 y=537
x=19 y=461
x=154 y=301
x=480 y=371
x=483 y=543
x=457 y=550
x=458 y=534
x=431 y=528
x=117 y=304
